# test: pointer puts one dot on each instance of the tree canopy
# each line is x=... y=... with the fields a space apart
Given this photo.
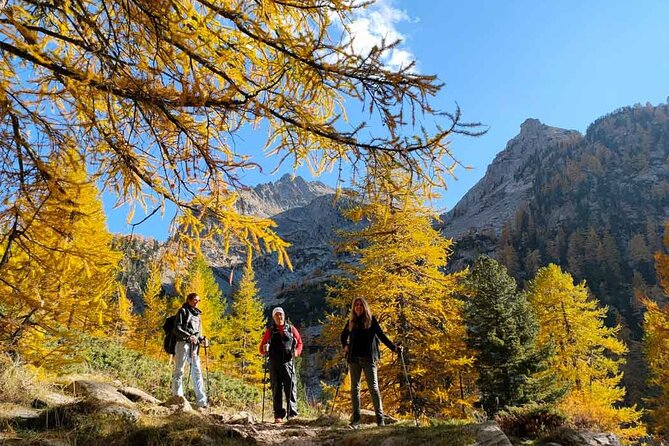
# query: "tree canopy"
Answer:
x=154 y=93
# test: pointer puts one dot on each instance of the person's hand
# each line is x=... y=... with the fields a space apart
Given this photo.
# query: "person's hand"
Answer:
x=399 y=350
x=204 y=342
x=346 y=349
x=192 y=339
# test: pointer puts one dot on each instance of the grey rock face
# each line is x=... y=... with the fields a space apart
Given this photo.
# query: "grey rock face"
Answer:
x=268 y=199
x=311 y=230
x=507 y=182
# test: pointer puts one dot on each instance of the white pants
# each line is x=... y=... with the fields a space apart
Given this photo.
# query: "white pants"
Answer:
x=186 y=352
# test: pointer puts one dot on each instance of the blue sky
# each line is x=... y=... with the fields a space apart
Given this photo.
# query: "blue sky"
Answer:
x=565 y=63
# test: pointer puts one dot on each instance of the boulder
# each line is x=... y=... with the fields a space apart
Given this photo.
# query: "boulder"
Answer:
x=10 y=411
x=490 y=434
x=178 y=404
x=137 y=395
x=52 y=399
x=242 y=418
x=99 y=393
x=568 y=437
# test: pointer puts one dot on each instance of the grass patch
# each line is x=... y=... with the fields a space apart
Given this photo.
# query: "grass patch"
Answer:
x=134 y=369
x=113 y=430
x=18 y=383
x=436 y=435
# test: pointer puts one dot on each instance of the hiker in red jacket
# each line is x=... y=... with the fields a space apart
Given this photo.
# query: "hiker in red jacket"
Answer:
x=281 y=342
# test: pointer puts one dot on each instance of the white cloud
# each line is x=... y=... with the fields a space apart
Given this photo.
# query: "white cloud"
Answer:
x=377 y=22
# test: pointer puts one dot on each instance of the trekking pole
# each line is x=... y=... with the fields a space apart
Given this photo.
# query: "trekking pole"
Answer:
x=264 y=384
x=206 y=361
x=406 y=376
x=341 y=378
x=190 y=365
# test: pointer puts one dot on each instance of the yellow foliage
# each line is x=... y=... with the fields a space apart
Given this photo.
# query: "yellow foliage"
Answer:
x=200 y=279
x=154 y=93
x=656 y=345
x=399 y=271
x=58 y=269
x=588 y=355
x=244 y=329
x=148 y=333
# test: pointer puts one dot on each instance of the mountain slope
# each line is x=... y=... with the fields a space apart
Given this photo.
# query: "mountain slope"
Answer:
x=595 y=204
x=507 y=184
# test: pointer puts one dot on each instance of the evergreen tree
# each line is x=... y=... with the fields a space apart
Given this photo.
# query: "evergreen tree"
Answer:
x=588 y=355
x=245 y=326
x=502 y=329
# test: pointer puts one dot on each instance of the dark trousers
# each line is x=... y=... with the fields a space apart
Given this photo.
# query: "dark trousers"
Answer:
x=283 y=382
x=367 y=365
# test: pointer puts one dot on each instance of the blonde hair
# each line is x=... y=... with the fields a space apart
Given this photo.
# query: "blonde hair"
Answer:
x=365 y=319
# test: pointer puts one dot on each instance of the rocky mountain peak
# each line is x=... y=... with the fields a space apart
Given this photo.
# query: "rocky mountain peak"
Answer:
x=508 y=179
x=268 y=199
x=530 y=126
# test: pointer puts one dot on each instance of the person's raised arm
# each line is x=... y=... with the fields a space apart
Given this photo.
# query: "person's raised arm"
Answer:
x=378 y=331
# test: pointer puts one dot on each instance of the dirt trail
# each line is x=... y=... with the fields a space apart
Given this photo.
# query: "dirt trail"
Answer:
x=295 y=433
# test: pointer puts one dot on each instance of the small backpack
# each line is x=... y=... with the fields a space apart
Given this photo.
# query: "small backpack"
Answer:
x=170 y=340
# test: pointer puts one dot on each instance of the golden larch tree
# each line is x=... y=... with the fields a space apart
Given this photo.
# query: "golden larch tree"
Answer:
x=588 y=355
x=58 y=276
x=148 y=329
x=656 y=343
x=154 y=92
x=399 y=266
x=245 y=325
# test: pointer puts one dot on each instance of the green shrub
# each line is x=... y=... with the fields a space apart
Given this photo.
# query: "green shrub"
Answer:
x=530 y=421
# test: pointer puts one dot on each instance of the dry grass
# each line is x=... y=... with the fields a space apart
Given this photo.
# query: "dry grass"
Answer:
x=18 y=383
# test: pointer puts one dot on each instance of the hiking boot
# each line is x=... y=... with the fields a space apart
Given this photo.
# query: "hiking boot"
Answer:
x=354 y=424
x=380 y=422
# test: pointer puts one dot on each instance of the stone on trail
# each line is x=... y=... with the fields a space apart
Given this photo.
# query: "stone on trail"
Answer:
x=138 y=396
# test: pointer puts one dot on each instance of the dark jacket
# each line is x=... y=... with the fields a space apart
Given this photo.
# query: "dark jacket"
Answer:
x=284 y=342
x=364 y=342
x=187 y=323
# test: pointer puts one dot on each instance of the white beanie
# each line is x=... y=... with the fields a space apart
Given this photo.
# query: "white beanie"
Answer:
x=278 y=310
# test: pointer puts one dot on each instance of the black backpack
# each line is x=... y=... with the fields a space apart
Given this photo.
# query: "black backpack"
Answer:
x=170 y=340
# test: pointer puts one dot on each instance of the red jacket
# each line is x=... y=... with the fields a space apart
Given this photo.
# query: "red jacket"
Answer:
x=296 y=335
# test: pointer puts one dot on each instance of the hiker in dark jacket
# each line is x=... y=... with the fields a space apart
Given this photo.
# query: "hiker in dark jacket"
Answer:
x=361 y=346
x=188 y=330
x=281 y=342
